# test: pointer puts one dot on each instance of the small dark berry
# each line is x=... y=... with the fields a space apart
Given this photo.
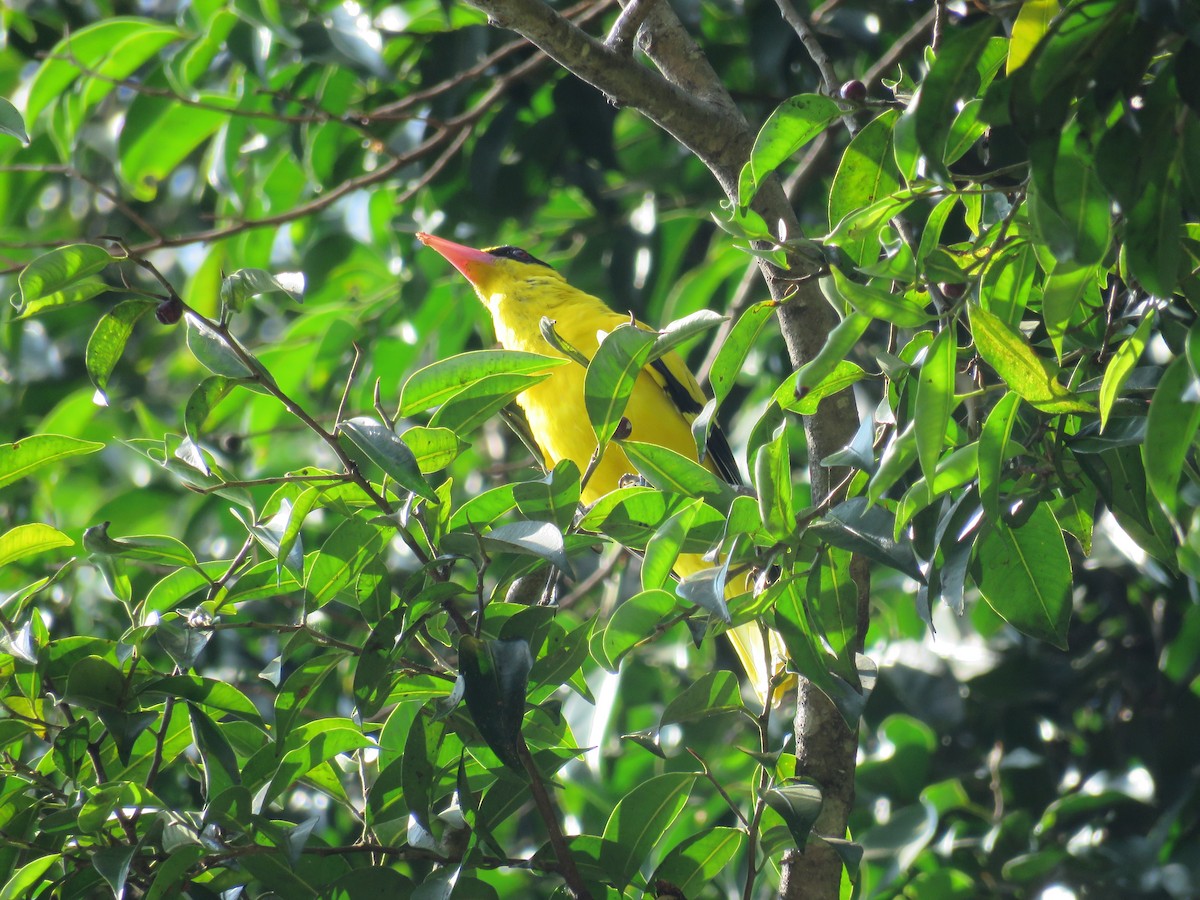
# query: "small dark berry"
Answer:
x=953 y=290
x=854 y=90
x=169 y=311
x=624 y=429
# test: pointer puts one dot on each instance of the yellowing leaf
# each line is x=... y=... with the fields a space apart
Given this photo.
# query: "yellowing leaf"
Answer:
x=1032 y=22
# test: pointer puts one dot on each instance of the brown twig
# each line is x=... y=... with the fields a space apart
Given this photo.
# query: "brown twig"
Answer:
x=546 y=808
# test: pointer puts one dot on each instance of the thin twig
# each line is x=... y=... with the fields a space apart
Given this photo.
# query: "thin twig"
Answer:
x=549 y=814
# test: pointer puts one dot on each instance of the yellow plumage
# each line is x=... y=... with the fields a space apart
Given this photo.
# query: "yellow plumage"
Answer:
x=519 y=291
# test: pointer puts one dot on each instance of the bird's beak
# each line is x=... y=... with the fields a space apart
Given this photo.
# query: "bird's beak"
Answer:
x=474 y=264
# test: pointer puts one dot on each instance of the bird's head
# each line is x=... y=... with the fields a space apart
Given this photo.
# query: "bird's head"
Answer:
x=498 y=274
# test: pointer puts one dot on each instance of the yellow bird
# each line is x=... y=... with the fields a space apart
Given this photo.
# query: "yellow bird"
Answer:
x=519 y=290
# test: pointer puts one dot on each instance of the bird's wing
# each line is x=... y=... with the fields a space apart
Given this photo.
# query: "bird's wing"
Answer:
x=673 y=376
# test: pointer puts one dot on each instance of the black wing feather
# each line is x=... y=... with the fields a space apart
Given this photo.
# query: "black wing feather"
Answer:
x=718 y=446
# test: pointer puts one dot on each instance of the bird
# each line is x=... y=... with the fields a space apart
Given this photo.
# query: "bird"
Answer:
x=519 y=290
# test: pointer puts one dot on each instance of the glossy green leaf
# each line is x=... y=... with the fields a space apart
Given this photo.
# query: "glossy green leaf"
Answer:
x=663 y=548
x=114 y=47
x=1015 y=362
x=11 y=122
x=108 y=340
x=935 y=399
x=867 y=173
x=21 y=458
x=710 y=695
x=480 y=400
x=1121 y=364
x=159 y=135
x=840 y=341
x=437 y=383
x=639 y=821
x=541 y=539
x=696 y=862
x=773 y=481
x=633 y=623
x=30 y=539
x=799 y=805
x=611 y=377
x=341 y=558
x=793 y=124
x=1065 y=291
x=952 y=79
x=210 y=392
x=1025 y=575
x=1171 y=425
x=433 y=448
x=384 y=448
x=670 y=471
x=496 y=676
x=734 y=349
x=1032 y=22
x=993 y=449
x=877 y=303
x=48 y=279
x=833 y=598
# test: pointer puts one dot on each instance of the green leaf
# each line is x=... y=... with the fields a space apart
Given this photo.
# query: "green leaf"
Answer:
x=1025 y=575
x=80 y=292
x=798 y=805
x=773 y=481
x=734 y=349
x=711 y=695
x=1128 y=352
x=611 y=377
x=154 y=548
x=663 y=548
x=697 y=862
x=793 y=124
x=634 y=622
x=108 y=340
x=113 y=865
x=833 y=598
x=433 y=448
x=1152 y=233
x=437 y=383
x=496 y=676
x=674 y=334
x=1066 y=289
x=1171 y=425
x=639 y=821
x=219 y=761
x=213 y=350
x=866 y=174
x=1032 y=377
x=114 y=47
x=877 y=303
x=345 y=553
x=670 y=471
x=11 y=122
x=244 y=284
x=317 y=742
x=95 y=683
x=935 y=399
x=1032 y=22
x=840 y=341
x=842 y=376
x=482 y=399
x=159 y=134
x=29 y=539
x=541 y=539
x=21 y=458
x=554 y=498
x=856 y=526
x=385 y=449
x=993 y=450
x=28 y=877
x=204 y=399
x=953 y=78
x=49 y=276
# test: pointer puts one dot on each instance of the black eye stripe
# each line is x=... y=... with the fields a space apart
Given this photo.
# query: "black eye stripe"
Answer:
x=516 y=253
